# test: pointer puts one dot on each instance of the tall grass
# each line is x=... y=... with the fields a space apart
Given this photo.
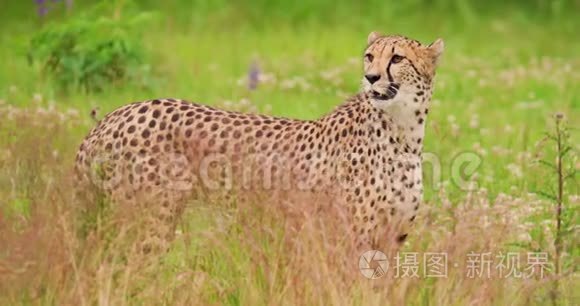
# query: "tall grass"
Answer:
x=240 y=254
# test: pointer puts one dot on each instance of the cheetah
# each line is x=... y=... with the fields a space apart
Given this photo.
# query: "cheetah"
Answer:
x=366 y=153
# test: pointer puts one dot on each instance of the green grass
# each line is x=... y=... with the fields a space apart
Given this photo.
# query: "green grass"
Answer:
x=505 y=71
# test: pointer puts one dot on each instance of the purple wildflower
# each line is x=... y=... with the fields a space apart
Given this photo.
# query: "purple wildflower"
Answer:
x=41 y=7
x=253 y=75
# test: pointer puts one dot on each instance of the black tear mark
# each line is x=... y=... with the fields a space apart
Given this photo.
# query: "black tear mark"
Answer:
x=389 y=76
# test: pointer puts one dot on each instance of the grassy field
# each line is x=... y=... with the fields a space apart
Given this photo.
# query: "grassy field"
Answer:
x=508 y=69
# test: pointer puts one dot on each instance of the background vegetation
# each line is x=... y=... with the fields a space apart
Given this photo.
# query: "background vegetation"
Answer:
x=508 y=68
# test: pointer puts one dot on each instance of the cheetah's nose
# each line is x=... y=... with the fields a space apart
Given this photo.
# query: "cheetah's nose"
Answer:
x=372 y=78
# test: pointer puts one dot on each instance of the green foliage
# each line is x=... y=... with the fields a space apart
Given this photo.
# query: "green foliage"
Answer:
x=564 y=172
x=264 y=13
x=90 y=53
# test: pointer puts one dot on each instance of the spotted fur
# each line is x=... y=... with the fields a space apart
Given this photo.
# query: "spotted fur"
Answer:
x=366 y=154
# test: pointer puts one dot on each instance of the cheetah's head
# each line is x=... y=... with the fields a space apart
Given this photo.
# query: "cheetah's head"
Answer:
x=398 y=69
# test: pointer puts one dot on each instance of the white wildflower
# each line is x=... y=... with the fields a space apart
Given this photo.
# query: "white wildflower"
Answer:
x=455 y=129
x=524 y=156
x=532 y=195
x=288 y=84
x=244 y=102
x=37 y=98
x=331 y=74
x=268 y=108
x=353 y=61
x=267 y=78
x=71 y=112
x=530 y=104
x=303 y=83
x=474 y=122
x=500 y=151
x=515 y=170
x=479 y=149
x=524 y=237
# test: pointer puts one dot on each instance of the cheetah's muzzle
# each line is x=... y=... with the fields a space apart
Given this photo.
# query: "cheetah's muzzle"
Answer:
x=392 y=91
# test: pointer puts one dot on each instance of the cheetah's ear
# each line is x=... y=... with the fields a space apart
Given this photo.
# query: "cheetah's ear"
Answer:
x=373 y=36
x=435 y=50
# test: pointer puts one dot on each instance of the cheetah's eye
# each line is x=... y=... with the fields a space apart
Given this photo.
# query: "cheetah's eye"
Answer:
x=369 y=57
x=396 y=59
